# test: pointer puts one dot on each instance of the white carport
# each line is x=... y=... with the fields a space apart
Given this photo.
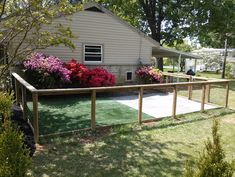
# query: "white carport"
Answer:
x=175 y=54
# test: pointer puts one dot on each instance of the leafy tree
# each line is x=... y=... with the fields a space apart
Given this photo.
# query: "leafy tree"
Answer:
x=216 y=22
x=211 y=162
x=171 y=21
x=22 y=23
x=165 y=21
x=183 y=47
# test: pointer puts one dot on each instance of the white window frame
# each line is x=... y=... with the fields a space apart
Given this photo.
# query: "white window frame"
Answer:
x=95 y=45
x=131 y=75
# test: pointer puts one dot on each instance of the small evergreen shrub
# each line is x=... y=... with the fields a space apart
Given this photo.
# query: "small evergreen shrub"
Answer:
x=149 y=75
x=6 y=101
x=46 y=71
x=211 y=162
x=14 y=157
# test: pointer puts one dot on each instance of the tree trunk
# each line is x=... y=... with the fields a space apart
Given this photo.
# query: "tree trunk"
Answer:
x=154 y=20
x=160 y=63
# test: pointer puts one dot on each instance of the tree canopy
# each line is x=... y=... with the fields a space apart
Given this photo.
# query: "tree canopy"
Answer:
x=171 y=21
x=22 y=28
x=22 y=22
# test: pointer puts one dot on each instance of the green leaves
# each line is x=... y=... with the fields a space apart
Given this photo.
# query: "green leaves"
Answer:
x=14 y=156
x=211 y=161
x=217 y=22
x=6 y=101
x=29 y=25
x=210 y=21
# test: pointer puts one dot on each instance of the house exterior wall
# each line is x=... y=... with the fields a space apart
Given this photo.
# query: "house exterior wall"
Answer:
x=121 y=45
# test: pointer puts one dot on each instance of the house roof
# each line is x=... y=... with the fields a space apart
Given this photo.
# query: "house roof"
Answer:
x=166 y=52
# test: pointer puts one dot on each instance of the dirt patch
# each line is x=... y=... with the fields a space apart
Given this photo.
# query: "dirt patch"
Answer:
x=150 y=124
x=229 y=120
x=90 y=137
x=82 y=137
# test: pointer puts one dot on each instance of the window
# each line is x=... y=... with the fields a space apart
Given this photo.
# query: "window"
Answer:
x=92 y=53
x=129 y=76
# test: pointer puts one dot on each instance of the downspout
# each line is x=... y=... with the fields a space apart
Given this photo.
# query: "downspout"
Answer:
x=140 y=49
x=195 y=66
x=179 y=60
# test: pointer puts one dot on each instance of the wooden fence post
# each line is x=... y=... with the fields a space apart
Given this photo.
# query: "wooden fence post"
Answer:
x=208 y=90
x=17 y=92
x=174 y=102
x=35 y=117
x=190 y=88
x=227 y=94
x=203 y=98
x=24 y=102
x=93 y=109
x=141 y=90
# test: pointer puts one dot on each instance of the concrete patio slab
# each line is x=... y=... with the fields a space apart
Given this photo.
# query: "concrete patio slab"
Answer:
x=159 y=105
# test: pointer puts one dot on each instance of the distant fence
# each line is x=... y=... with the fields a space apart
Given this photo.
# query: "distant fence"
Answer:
x=21 y=86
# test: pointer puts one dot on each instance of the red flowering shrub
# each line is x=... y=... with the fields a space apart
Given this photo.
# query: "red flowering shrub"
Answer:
x=82 y=76
x=79 y=72
x=99 y=77
x=148 y=74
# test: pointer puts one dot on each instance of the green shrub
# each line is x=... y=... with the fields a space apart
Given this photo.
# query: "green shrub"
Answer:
x=211 y=162
x=229 y=70
x=6 y=101
x=14 y=157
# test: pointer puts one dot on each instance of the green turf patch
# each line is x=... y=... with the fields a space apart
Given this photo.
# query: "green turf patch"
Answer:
x=67 y=113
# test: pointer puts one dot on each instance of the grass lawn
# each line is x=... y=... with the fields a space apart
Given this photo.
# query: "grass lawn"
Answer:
x=209 y=74
x=156 y=149
x=217 y=94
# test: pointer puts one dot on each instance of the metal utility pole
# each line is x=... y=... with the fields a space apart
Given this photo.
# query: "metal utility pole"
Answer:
x=225 y=57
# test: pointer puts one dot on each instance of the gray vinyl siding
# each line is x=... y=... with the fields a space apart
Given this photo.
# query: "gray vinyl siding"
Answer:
x=121 y=44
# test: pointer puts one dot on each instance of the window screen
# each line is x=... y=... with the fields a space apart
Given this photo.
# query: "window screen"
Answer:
x=93 y=53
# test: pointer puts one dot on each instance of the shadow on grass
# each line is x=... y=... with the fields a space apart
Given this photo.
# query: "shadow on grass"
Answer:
x=181 y=119
x=54 y=122
x=118 y=155
x=127 y=150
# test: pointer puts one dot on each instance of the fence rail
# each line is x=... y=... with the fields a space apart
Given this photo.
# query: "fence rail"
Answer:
x=21 y=84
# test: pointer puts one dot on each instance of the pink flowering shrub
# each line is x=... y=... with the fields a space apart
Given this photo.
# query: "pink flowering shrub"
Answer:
x=46 y=71
x=81 y=76
x=148 y=75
